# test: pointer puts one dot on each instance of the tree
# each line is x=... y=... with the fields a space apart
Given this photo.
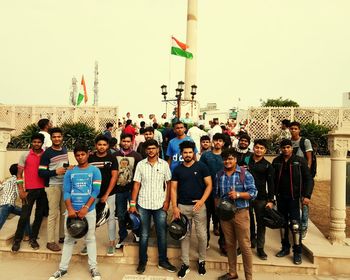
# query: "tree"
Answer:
x=279 y=102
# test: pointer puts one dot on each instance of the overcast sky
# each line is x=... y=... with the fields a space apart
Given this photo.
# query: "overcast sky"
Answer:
x=254 y=50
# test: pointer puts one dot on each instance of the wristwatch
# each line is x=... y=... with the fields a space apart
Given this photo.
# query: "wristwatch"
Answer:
x=238 y=195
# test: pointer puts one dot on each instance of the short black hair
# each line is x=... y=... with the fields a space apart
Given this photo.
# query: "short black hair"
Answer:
x=204 y=137
x=218 y=136
x=108 y=125
x=81 y=147
x=245 y=136
x=155 y=125
x=151 y=142
x=142 y=123
x=187 y=144
x=128 y=122
x=13 y=169
x=148 y=129
x=39 y=136
x=113 y=141
x=295 y=124
x=286 y=122
x=178 y=122
x=43 y=122
x=286 y=142
x=101 y=137
x=261 y=142
x=125 y=135
x=228 y=152
x=56 y=130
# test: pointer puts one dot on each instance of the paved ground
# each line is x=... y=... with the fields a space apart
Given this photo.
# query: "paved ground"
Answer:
x=36 y=270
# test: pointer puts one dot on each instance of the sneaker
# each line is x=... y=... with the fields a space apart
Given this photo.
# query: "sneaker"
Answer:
x=141 y=268
x=15 y=246
x=95 y=274
x=261 y=254
x=110 y=251
x=183 y=271
x=201 y=268
x=119 y=245
x=297 y=258
x=83 y=252
x=167 y=266
x=53 y=247
x=58 y=274
x=34 y=244
x=136 y=238
x=284 y=252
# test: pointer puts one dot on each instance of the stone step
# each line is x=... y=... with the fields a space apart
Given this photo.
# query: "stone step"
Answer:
x=8 y=231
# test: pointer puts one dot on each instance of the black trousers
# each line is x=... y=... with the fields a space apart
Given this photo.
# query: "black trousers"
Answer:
x=38 y=196
x=210 y=205
x=258 y=206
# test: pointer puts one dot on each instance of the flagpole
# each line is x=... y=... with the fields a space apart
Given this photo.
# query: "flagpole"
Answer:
x=169 y=81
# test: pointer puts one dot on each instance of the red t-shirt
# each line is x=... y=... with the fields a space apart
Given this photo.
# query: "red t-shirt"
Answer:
x=29 y=162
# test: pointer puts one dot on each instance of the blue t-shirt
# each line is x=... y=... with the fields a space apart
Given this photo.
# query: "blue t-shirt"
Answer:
x=213 y=162
x=80 y=184
x=174 y=151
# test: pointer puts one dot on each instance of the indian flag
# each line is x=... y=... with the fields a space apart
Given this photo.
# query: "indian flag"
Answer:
x=82 y=92
x=179 y=48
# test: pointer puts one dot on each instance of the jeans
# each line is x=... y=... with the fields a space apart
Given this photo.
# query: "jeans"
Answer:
x=33 y=196
x=304 y=217
x=6 y=210
x=121 y=201
x=112 y=231
x=160 y=218
x=90 y=242
x=210 y=205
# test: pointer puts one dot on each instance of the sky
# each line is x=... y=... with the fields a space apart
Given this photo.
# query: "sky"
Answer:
x=247 y=51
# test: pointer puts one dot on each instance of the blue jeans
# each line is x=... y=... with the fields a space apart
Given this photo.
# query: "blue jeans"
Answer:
x=304 y=217
x=121 y=201
x=6 y=210
x=159 y=218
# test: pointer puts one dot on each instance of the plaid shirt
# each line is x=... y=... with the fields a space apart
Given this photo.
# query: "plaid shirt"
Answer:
x=224 y=184
x=10 y=191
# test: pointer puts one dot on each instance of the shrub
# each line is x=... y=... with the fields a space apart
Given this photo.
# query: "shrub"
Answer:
x=317 y=134
x=22 y=141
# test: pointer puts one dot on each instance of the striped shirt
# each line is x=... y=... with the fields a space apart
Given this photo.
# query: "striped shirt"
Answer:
x=152 y=192
x=10 y=191
x=224 y=184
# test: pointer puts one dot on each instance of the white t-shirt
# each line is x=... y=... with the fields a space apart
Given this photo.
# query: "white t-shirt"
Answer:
x=47 y=140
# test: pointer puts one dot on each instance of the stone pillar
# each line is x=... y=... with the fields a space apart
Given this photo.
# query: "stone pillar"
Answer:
x=5 y=138
x=338 y=144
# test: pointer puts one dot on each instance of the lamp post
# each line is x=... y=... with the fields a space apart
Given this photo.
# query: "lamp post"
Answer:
x=179 y=101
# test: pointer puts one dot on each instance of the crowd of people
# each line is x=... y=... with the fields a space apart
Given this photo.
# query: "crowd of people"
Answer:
x=188 y=172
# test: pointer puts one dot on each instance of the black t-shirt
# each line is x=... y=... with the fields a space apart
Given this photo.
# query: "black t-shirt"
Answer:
x=190 y=182
x=105 y=164
x=284 y=187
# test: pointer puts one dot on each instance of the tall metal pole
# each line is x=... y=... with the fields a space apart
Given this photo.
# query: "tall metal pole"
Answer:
x=96 y=85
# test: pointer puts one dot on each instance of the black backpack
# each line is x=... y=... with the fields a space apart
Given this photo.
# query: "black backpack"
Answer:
x=313 y=168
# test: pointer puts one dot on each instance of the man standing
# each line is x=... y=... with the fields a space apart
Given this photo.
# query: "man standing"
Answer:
x=215 y=128
x=53 y=166
x=242 y=150
x=196 y=133
x=45 y=126
x=191 y=185
x=127 y=161
x=263 y=174
x=302 y=147
x=108 y=131
x=108 y=166
x=33 y=190
x=173 y=151
x=148 y=135
x=293 y=183
x=204 y=146
x=237 y=184
x=81 y=187
x=151 y=193
x=213 y=160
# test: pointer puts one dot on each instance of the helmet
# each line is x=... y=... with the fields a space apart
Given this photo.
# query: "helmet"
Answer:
x=102 y=213
x=273 y=218
x=76 y=227
x=178 y=228
x=226 y=209
x=132 y=221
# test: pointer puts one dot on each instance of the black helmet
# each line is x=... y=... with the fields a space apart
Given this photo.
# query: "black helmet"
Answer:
x=76 y=227
x=102 y=213
x=178 y=228
x=226 y=209
x=132 y=221
x=273 y=218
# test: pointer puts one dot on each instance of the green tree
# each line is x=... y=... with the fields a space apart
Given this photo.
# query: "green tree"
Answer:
x=279 y=102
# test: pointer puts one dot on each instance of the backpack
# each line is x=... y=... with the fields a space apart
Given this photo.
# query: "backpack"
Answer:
x=313 y=168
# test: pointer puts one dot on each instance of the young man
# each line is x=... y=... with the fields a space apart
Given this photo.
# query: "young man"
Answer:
x=285 y=132
x=173 y=151
x=127 y=161
x=263 y=174
x=151 y=193
x=45 y=125
x=205 y=145
x=81 y=188
x=303 y=150
x=242 y=149
x=148 y=134
x=239 y=187
x=213 y=160
x=108 y=166
x=196 y=133
x=31 y=191
x=191 y=185
x=108 y=131
x=293 y=183
x=53 y=166
x=9 y=196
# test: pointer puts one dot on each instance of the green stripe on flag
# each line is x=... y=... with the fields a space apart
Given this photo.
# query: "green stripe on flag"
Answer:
x=80 y=98
x=181 y=52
